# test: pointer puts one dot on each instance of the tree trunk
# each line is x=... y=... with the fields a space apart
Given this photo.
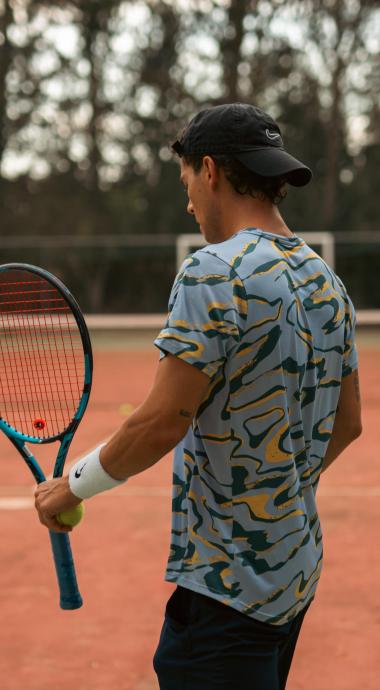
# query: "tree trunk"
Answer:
x=334 y=147
x=231 y=47
x=5 y=61
x=91 y=30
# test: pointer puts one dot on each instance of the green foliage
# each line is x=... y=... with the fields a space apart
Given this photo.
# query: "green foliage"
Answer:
x=94 y=92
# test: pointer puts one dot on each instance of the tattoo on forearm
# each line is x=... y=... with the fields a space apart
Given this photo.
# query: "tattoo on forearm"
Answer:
x=356 y=384
x=185 y=413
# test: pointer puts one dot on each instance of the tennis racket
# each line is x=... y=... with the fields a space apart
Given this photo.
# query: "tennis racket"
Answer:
x=45 y=381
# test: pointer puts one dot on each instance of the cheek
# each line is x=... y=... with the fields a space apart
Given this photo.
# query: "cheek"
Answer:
x=194 y=194
x=190 y=199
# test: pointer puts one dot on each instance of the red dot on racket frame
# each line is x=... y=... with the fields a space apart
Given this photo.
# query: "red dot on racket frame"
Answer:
x=39 y=424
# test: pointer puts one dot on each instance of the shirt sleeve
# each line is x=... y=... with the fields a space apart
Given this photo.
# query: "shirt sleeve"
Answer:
x=350 y=354
x=207 y=312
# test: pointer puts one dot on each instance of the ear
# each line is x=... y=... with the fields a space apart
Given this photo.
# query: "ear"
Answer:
x=211 y=171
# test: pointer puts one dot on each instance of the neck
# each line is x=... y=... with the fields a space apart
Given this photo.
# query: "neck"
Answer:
x=245 y=212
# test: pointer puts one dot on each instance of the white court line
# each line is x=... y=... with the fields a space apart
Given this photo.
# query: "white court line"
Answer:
x=25 y=503
x=347 y=491
x=16 y=503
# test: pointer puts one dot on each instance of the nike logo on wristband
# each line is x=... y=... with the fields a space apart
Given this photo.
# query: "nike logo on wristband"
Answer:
x=79 y=472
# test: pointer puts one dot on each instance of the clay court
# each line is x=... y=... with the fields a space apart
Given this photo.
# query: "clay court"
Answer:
x=121 y=548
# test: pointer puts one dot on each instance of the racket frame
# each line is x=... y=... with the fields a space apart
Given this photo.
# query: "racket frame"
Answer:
x=70 y=597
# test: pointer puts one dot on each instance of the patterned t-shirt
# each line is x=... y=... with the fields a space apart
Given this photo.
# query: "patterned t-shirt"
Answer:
x=273 y=327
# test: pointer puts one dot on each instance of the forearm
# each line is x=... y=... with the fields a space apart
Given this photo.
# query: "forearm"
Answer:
x=140 y=442
x=145 y=437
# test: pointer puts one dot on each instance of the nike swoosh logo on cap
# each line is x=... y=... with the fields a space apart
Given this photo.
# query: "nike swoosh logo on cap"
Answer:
x=272 y=135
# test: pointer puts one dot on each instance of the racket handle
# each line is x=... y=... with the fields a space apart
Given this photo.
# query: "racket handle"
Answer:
x=70 y=597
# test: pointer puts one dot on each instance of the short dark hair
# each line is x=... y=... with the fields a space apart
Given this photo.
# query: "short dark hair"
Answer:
x=243 y=180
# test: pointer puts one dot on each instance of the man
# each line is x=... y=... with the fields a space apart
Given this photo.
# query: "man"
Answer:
x=257 y=352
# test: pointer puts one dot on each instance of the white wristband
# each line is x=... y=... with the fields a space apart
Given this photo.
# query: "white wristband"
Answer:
x=88 y=477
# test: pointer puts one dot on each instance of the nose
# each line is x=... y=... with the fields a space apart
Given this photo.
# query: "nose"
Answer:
x=190 y=208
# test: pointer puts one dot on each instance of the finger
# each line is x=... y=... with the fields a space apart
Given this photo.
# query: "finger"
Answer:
x=51 y=523
x=38 y=503
x=42 y=487
x=56 y=527
x=37 y=491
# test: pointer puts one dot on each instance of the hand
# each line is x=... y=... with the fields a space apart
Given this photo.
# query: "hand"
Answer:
x=51 y=498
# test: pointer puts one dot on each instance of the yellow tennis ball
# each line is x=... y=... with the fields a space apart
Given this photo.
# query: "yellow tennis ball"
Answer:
x=71 y=517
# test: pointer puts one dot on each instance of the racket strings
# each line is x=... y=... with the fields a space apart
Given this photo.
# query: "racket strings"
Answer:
x=41 y=356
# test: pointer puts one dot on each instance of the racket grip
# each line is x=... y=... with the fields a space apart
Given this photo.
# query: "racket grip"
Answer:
x=70 y=597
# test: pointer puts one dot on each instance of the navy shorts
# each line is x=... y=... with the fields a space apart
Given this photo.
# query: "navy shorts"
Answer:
x=206 y=645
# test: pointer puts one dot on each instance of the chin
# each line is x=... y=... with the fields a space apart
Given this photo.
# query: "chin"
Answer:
x=201 y=230
x=205 y=232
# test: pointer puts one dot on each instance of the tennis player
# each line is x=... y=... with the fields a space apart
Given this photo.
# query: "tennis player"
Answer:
x=257 y=389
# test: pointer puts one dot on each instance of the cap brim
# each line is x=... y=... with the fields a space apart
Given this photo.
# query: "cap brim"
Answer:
x=274 y=162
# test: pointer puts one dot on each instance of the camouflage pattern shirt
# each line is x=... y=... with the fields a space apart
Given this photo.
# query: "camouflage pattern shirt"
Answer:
x=273 y=327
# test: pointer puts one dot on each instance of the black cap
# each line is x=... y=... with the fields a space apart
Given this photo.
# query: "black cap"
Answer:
x=247 y=134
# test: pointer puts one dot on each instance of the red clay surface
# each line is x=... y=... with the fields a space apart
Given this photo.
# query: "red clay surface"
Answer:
x=121 y=548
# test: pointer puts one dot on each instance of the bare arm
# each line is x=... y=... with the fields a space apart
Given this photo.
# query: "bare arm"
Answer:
x=159 y=423
x=145 y=437
x=347 y=424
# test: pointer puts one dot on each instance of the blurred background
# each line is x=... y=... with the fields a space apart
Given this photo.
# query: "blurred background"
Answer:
x=92 y=93
x=91 y=96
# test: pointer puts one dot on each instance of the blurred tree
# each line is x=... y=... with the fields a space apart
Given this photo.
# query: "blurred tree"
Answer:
x=6 y=19
x=335 y=35
x=231 y=47
x=94 y=92
x=159 y=100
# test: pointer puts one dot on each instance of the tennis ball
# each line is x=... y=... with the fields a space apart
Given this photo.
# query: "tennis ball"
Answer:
x=126 y=409
x=71 y=517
